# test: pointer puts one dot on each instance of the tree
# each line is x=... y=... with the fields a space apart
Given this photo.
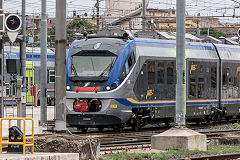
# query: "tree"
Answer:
x=77 y=25
x=212 y=32
x=51 y=36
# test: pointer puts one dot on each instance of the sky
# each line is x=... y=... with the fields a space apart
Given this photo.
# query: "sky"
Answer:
x=193 y=7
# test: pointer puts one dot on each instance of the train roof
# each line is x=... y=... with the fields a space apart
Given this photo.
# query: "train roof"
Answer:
x=150 y=47
x=228 y=52
x=198 y=50
x=113 y=45
x=171 y=43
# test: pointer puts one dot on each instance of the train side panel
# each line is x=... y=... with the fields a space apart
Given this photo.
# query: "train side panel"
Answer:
x=230 y=79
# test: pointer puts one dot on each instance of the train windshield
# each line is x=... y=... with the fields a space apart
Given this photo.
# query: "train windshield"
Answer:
x=92 y=66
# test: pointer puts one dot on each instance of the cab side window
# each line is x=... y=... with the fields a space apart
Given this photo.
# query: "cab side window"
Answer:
x=128 y=66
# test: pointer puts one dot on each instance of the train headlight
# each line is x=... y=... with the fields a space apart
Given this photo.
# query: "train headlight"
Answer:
x=68 y=87
x=108 y=88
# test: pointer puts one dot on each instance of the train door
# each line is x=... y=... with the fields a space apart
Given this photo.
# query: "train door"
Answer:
x=29 y=80
x=202 y=95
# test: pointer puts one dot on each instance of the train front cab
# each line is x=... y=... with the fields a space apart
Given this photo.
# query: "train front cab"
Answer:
x=95 y=93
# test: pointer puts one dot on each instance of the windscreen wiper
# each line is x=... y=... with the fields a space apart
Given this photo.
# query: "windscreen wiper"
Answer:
x=105 y=70
x=109 y=67
x=74 y=70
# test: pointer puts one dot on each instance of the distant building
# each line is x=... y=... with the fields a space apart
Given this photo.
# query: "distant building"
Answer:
x=120 y=14
x=35 y=21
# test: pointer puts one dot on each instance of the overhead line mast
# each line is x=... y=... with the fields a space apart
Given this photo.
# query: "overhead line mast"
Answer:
x=60 y=65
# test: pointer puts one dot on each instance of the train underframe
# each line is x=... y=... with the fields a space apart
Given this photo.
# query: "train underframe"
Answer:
x=143 y=116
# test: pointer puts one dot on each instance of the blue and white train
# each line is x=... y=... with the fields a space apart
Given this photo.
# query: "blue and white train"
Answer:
x=117 y=82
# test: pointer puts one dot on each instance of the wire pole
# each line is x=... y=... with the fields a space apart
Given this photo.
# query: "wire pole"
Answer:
x=2 y=72
x=180 y=65
x=60 y=65
x=43 y=99
x=98 y=23
x=144 y=15
x=2 y=65
x=23 y=56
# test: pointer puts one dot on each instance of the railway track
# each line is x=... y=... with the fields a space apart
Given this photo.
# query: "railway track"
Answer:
x=112 y=142
x=231 y=156
x=142 y=140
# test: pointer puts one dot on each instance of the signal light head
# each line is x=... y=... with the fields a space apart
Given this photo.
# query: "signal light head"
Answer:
x=13 y=23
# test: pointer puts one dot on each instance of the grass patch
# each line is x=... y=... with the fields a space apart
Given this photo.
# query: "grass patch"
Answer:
x=212 y=149
x=226 y=126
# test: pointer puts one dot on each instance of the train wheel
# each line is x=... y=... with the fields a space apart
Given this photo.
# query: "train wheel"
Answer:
x=136 y=127
x=84 y=129
x=100 y=129
x=118 y=128
x=167 y=124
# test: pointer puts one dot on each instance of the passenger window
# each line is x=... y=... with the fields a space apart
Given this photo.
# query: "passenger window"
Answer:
x=200 y=87
x=13 y=90
x=7 y=89
x=192 y=92
x=213 y=77
x=170 y=76
x=201 y=68
x=160 y=73
x=151 y=72
x=127 y=68
x=130 y=62
x=5 y=58
x=13 y=56
x=51 y=76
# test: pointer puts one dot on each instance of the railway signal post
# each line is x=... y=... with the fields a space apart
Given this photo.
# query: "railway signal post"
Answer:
x=180 y=137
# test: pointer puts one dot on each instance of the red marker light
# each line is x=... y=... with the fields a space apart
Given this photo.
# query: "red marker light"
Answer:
x=12 y=21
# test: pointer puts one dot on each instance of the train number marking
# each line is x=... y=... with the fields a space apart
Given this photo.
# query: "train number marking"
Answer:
x=113 y=106
x=149 y=93
x=238 y=69
x=193 y=68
